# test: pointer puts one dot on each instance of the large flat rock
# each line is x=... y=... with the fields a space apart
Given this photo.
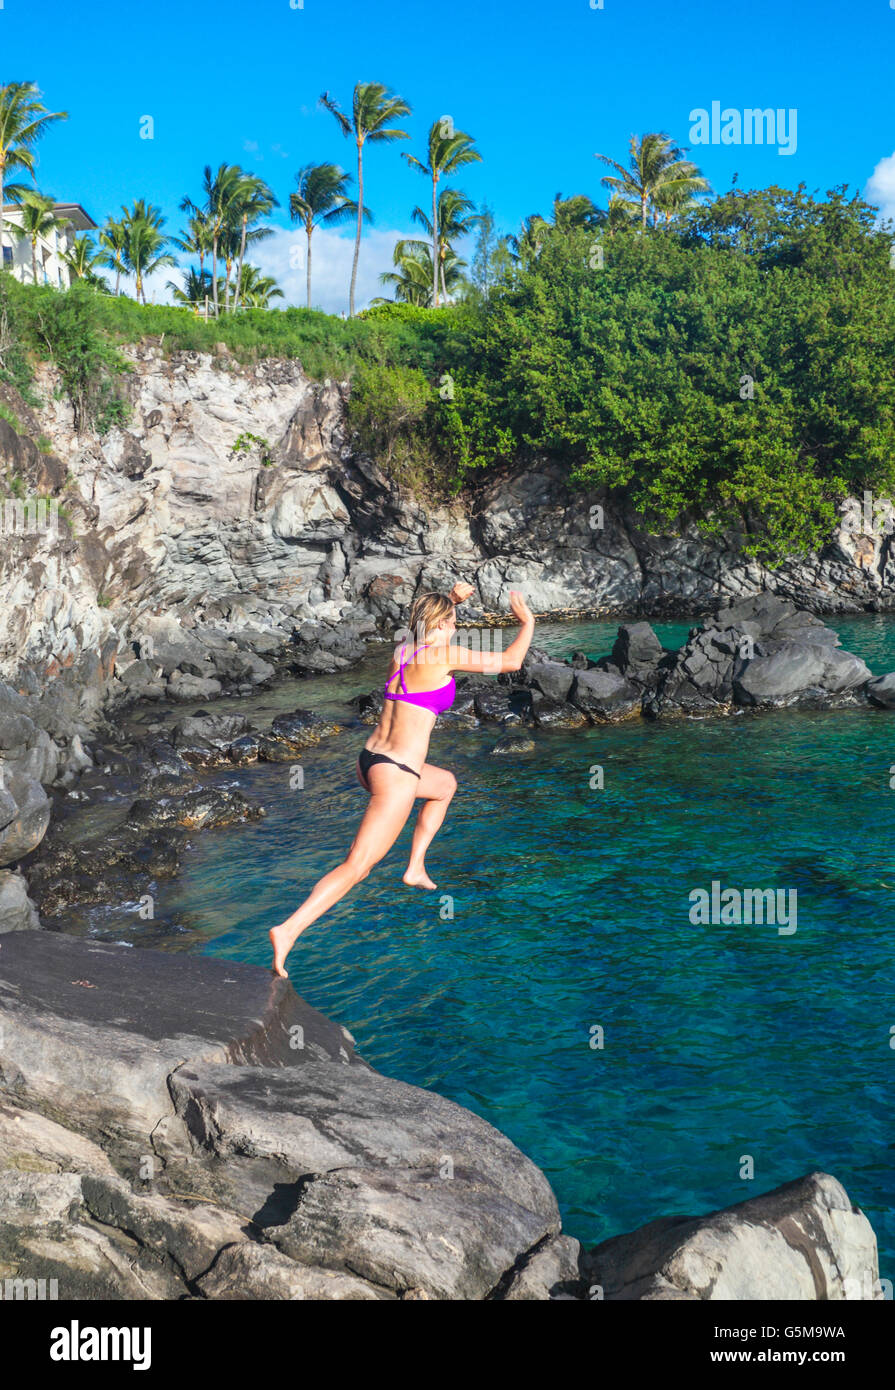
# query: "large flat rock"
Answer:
x=90 y=1032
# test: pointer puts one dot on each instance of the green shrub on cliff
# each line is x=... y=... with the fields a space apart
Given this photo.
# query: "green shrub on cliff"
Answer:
x=64 y=327
x=741 y=371
x=408 y=426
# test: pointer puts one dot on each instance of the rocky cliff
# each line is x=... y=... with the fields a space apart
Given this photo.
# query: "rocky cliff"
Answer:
x=230 y=527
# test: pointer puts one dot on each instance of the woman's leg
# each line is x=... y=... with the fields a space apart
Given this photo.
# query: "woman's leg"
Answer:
x=391 y=801
x=436 y=786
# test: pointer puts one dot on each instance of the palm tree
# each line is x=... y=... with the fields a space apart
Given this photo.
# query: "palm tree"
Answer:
x=321 y=200
x=452 y=221
x=578 y=213
x=618 y=216
x=373 y=108
x=38 y=221
x=113 y=240
x=221 y=193
x=82 y=258
x=253 y=200
x=676 y=198
x=196 y=239
x=448 y=151
x=254 y=289
x=655 y=170
x=195 y=289
x=23 y=120
x=144 y=242
x=412 y=279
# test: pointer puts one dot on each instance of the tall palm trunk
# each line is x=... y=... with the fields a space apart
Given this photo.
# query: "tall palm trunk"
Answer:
x=34 y=258
x=118 y=276
x=242 y=252
x=2 y=171
x=227 y=267
x=309 y=229
x=443 y=282
x=435 y=257
x=360 y=224
x=214 y=274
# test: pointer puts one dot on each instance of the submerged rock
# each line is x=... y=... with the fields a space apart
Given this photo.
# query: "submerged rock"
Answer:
x=513 y=743
x=196 y=810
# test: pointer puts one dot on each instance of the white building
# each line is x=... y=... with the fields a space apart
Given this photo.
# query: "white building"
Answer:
x=51 y=269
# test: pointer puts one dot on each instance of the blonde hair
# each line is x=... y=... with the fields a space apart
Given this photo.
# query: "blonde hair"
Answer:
x=426 y=612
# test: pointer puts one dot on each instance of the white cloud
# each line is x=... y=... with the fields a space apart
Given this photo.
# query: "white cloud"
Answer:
x=881 y=186
x=283 y=257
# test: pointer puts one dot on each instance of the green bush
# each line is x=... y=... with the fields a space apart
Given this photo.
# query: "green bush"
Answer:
x=64 y=327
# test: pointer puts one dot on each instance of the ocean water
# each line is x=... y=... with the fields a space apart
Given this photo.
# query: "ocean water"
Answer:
x=554 y=983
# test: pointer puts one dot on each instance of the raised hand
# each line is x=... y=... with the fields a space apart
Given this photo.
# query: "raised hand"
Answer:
x=520 y=608
x=460 y=592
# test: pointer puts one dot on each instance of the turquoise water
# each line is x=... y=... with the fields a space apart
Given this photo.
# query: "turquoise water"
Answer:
x=571 y=910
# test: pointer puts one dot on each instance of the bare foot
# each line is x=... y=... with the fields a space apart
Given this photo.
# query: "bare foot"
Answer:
x=279 y=939
x=418 y=878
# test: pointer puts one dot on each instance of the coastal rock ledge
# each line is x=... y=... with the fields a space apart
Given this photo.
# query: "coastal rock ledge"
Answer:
x=178 y=1127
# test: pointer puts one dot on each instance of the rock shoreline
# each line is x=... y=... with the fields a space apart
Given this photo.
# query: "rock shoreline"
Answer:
x=189 y=569
x=178 y=1127
x=752 y=657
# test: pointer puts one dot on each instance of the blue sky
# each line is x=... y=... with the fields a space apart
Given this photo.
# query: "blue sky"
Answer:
x=540 y=86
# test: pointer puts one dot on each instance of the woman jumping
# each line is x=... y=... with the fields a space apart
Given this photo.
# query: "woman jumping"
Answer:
x=392 y=765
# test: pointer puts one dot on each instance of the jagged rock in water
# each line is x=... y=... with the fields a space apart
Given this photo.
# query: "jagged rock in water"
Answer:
x=881 y=691
x=556 y=714
x=804 y=1240
x=605 y=695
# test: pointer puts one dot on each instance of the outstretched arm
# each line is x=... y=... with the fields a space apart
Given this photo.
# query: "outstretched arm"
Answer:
x=496 y=663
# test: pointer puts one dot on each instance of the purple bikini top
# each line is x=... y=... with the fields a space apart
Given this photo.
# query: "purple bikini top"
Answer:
x=436 y=701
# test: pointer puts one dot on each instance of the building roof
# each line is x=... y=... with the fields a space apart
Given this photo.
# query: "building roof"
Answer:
x=72 y=211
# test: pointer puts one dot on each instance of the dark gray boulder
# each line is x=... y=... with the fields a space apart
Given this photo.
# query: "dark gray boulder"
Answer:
x=604 y=695
x=552 y=678
x=221 y=1086
x=637 y=652
x=881 y=691
x=782 y=677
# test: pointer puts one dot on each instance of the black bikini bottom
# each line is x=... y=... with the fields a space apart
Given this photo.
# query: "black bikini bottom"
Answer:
x=367 y=759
